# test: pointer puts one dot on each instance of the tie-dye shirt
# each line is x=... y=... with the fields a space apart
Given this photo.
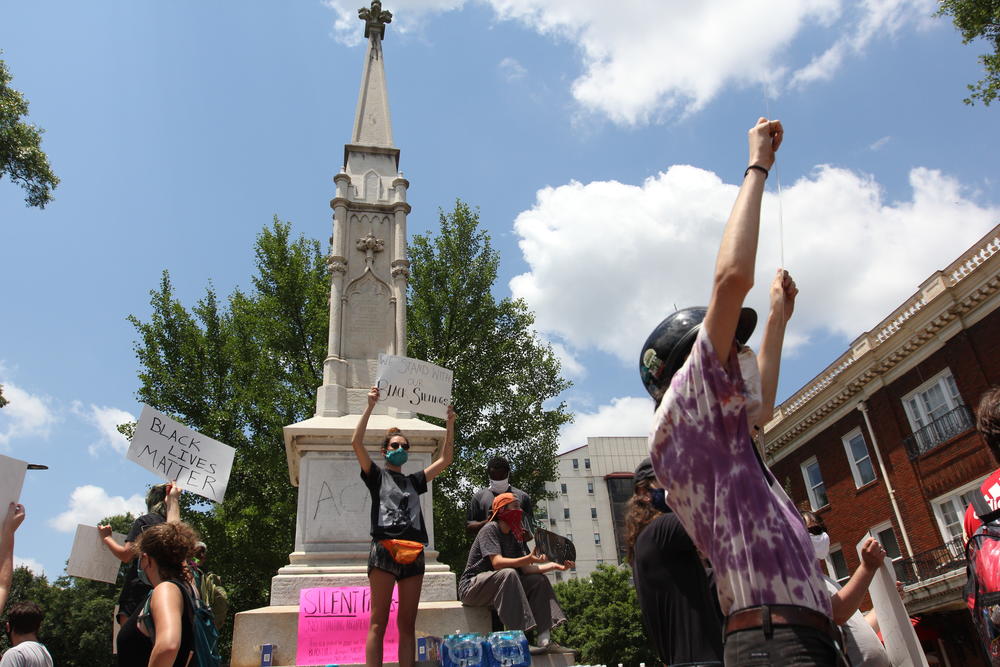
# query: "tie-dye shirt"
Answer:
x=729 y=504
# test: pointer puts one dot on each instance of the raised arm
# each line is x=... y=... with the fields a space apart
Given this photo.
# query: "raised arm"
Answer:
x=847 y=600
x=122 y=552
x=734 y=266
x=447 y=451
x=12 y=519
x=173 y=502
x=358 y=442
x=783 y=293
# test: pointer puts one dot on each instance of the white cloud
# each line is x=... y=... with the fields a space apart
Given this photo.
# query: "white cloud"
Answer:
x=35 y=566
x=89 y=504
x=879 y=143
x=609 y=260
x=643 y=61
x=106 y=421
x=569 y=365
x=511 y=69
x=26 y=415
x=628 y=415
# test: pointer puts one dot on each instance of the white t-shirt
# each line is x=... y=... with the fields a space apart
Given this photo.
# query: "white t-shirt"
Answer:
x=27 y=654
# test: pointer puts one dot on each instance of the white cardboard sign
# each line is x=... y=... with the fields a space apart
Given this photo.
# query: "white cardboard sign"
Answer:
x=90 y=559
x=414 y=385
x=175 y=452
x=11 y=480
x=900 y=639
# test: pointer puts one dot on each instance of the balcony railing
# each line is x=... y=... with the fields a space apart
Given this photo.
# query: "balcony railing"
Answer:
x=929 y=564
x=940 y=430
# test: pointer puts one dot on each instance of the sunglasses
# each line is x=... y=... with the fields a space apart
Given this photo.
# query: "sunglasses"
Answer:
x=396 y=445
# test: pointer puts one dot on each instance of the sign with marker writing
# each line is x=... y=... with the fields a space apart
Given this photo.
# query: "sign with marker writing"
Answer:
x=90 y=559
x=173 y=451
x=333 y=626
x=414 y=385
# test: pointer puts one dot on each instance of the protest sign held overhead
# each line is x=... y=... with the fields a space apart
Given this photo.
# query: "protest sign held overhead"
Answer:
x=11 y=481
x=175 y=452
x=414 y=385
x=90 y=559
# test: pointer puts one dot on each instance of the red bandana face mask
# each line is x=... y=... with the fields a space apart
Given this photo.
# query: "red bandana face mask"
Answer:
x=513 y=519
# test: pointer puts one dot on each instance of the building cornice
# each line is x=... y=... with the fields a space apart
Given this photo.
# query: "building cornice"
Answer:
x=946 y=297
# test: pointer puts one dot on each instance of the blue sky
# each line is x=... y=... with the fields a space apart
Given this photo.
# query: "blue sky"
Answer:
x=603 y=143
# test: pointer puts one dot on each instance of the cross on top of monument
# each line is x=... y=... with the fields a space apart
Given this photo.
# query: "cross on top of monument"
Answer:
x=375 y=19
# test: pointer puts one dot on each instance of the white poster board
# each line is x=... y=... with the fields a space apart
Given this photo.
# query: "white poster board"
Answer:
x=900 y=638
x=11 y=480
x=90 y=559
x=175 y=452
x=414 y=385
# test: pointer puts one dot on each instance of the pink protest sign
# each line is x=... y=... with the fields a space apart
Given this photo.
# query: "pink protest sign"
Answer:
x=333 y=626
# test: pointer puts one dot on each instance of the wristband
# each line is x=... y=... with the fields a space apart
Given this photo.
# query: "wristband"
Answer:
x=757 y=167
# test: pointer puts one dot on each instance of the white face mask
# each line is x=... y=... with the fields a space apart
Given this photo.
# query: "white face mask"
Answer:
x=821 y=545
x=499 y=485
x=751 y=385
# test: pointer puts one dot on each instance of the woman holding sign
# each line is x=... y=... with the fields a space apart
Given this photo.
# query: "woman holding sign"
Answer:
x=398 y=532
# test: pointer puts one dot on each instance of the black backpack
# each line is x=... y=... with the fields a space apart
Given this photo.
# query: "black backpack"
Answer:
x=982 y=589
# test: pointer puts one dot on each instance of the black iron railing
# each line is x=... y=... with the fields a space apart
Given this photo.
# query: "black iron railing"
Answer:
x=940 y=430
x=929 y=564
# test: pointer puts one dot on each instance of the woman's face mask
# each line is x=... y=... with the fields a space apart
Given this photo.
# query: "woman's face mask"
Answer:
x=658 y=499
x=143 y=577
x=821 y=545
x=397 y=457
x=751 y=385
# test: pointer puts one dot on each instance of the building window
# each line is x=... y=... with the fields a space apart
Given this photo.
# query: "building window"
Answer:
x=576 y=464
x=558 y=576
x=586 y=464
x=597 y=538
x=886 y=536
x=949 y=511
x=858 y=457
x=593 y=512
x=936 y=414
x=836 y=565
x=552 y=522
x=562 y=489
x=814 y=484
x=590 y=488
x=565 y=512
x=600 y=561
x=543 y=512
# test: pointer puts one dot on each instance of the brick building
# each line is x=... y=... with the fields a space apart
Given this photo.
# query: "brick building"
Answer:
x=882 y=442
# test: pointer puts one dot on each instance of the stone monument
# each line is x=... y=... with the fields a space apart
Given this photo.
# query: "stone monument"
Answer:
x=369 y=272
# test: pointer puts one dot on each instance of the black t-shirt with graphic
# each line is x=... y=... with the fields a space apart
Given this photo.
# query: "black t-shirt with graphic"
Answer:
x=396 y=504
x=676 y=594
x=134 y=591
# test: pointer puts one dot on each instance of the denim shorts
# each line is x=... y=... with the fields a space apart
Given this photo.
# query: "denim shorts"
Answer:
x=379 y=557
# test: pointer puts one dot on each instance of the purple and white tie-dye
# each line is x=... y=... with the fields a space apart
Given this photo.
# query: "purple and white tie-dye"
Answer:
x=732 y=508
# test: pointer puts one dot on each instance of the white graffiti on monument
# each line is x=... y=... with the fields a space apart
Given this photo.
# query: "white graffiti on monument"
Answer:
x=175 y=452
x=415 y=385
x=369 y=316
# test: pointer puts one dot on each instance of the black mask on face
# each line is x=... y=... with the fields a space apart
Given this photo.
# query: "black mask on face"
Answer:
x=658 y=499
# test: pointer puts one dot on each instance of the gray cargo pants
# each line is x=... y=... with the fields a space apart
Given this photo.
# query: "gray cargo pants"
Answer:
x=522 y=601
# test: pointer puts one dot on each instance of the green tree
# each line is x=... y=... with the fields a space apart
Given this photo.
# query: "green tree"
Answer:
x=78 y=612
x=239 y=372
x=21 y=156
x=979 y=19
x=504 y=376
x=603 y=619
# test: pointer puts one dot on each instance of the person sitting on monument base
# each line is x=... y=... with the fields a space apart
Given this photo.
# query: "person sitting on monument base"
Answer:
x=398 y=532
x=502 y=574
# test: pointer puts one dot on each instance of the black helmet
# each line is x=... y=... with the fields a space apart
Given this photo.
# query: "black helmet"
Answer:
x=668 y=346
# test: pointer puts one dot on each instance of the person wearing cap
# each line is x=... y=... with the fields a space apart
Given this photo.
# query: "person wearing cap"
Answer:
x=711 y=393
x=502 y=574
x=676 y=594
x=477 y=515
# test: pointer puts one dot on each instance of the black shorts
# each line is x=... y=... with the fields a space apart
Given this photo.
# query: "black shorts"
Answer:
x=379 y=557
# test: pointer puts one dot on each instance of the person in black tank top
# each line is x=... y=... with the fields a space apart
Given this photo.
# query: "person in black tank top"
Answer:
x=160 y=633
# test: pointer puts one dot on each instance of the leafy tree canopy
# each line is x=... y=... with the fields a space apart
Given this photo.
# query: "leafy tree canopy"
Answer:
x=21 y=156
x=979 y=19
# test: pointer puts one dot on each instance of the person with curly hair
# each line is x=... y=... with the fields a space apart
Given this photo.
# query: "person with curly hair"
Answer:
x=676 y=593
x=398 y=532
x=161 y=633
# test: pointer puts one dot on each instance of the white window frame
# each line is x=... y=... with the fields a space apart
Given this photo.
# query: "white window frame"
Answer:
x=810 y=489
x=597 y=539
x=952 y=400
x=955 y=493
x=590 y=488
x=565 y=514
x=855 y=470
x=586 y=464
x=576 y=464
x=562 y=488
x=875 y=530
x=593 y=513
x=831 y=570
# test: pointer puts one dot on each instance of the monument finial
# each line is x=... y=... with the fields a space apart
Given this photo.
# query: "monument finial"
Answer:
x=375 y=19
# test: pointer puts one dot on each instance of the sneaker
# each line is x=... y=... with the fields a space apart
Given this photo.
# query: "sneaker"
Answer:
x=536 y=650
